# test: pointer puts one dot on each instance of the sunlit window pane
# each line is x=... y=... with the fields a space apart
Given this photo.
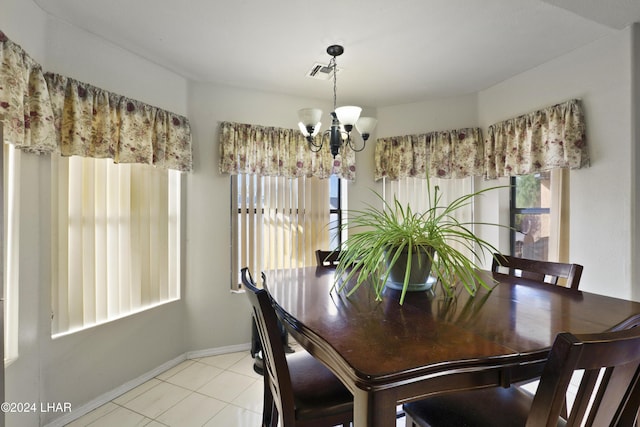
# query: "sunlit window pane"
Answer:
x=533 y=190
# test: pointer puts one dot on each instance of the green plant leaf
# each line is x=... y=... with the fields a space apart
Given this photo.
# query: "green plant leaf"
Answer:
x=379 y=234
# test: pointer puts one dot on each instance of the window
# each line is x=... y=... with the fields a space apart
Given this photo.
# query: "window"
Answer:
x=11 y=215
x=116 y=243
x=335 y=212
x=539 y=215
x=415 y=192
x=531 y=200
x=279 y=222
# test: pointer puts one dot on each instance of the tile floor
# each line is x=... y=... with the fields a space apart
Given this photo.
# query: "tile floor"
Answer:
x=220 y=391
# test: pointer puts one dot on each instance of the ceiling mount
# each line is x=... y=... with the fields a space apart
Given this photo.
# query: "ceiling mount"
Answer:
x=335 y=50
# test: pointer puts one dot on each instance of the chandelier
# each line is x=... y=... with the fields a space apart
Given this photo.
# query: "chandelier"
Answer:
x=343 y=119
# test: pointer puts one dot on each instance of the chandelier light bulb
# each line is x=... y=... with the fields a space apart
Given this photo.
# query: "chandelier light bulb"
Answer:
x=348 y=116
x=309 y=121
x=366 y=125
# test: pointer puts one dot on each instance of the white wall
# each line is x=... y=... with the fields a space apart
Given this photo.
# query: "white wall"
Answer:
x=635 y=160
x=82 y=366
x=600 y=219
x=428 y=116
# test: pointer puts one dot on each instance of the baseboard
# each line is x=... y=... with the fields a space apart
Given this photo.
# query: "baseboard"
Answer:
x=217 y=351
x=129 y=385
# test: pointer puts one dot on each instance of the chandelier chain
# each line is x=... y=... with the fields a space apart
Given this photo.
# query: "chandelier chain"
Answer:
x=332 y=63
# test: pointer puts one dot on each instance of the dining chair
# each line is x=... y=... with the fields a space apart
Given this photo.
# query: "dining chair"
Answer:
x=298 y=389
x=327 y=258
x=541 y=271
x=608 y=393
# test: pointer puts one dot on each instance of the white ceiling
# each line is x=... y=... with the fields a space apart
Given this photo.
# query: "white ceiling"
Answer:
x=395 y=51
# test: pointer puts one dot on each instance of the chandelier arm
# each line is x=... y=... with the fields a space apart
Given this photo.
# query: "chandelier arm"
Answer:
x=311 y=142
x=314 y=148
x=352 y=146
x=317 y=147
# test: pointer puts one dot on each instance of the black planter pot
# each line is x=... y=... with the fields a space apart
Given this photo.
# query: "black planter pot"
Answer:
x=419 y=276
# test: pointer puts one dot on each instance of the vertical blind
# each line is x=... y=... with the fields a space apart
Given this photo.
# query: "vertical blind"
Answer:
x=11 y=246
x=277 y=222
x=116 y=240
x=415 y=193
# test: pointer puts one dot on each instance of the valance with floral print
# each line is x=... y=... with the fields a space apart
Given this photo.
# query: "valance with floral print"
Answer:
x=24 y=100
x=550 y=138
x=445 y=154
x=46 y=112
x=273 y=151
x=92 y=122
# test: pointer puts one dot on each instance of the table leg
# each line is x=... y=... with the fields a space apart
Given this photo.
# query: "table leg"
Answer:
x=374 y=409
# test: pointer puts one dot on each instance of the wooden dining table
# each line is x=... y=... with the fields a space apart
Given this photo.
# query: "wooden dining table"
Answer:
x=387 y=354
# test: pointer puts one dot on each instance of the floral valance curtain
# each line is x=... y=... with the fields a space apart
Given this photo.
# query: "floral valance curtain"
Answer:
x=92 y=122
x=272 y=151
x=24 y=100
x=47 y=112
x=445 y=154
x=550 y=138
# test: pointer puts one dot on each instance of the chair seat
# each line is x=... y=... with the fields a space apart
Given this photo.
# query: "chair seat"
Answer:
x=317 y=392
x=504 y=407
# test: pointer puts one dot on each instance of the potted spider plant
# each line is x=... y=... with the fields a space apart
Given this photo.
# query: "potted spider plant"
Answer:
x=397 y=247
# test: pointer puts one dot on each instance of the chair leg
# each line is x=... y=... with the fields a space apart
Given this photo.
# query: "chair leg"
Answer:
x=268 y=405
x=274 y=416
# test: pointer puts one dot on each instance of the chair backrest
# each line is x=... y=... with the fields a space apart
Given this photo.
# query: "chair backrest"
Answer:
x=609 y=391
x=542 y=271
x=276 y=370
x=327 y=258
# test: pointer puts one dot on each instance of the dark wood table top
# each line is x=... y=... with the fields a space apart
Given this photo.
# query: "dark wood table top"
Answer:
x=387 y=354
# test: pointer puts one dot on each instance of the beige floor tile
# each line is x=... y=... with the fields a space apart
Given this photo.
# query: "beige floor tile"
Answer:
x=172 y=371
x=251 y=398
x=194 y=376
x=193 y=411
x=236 y=417
x=94 y=415
x=224 y=361
x=227 y=386
x=157 y=400
x=121 y=417
x=137 y=391
x=245 y=366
